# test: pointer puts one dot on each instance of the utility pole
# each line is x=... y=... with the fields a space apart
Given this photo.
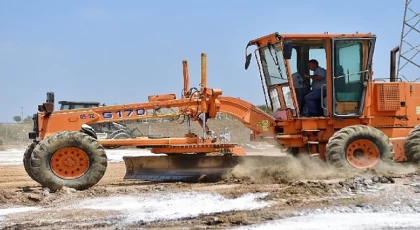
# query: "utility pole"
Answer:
x=21 y=109
x=408 y=61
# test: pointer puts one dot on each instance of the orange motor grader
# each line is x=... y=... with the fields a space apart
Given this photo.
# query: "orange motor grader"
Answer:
x=365 y=122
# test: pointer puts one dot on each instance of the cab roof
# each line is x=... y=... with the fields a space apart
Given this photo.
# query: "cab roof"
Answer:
x=79 y=102
x=274 y=37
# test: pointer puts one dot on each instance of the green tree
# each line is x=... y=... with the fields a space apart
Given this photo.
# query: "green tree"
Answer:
x=28 y=119
x=264 y=108
x=17 y=119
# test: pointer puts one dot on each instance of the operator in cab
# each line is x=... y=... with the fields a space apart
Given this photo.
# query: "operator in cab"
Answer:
x=313 y=98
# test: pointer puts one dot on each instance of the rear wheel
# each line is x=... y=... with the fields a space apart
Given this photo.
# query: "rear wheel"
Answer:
x=27 y=160
x=412 y=145
x=122 y=135
x=359 y=147
x=119 y=135
x=70 y=159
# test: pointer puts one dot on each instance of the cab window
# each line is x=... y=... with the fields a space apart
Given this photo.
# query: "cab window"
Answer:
x=78 y=106
x=348 y=70
x=274 y=74
x=319 y=55
x=293 y=61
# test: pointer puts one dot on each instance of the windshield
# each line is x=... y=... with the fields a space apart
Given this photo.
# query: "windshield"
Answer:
x=274 y=70
x=273 y=65
x=65 y=107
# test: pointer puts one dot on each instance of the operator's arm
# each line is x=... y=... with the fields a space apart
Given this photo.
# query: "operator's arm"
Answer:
x=319 y=74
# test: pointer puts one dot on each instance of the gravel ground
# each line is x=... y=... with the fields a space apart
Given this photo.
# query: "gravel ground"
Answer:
x=293 y=198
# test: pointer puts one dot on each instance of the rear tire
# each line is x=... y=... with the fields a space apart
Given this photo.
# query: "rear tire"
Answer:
x=344 y=146
x=115 y=133
x=27 y=160
x=120 y=135
x=412 y=145
x=70 y=159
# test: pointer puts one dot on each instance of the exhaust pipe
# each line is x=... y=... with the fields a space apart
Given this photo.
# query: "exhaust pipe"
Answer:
x=393 y=64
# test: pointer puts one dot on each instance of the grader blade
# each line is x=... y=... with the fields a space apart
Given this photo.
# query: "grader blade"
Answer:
x=192 y=167
x=186 y=167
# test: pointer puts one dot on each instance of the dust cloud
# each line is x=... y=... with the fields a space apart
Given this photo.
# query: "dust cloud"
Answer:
x=267 y=169
x=396 y=168
x=280 y=167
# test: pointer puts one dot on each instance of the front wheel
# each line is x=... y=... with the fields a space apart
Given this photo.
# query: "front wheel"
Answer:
x=70 y=159
x=359 y=147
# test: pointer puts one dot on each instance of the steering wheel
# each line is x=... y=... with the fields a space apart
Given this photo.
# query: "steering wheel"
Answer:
x=306 y=82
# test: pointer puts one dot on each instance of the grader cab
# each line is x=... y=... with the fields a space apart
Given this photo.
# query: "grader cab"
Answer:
x=364 y=121
x=363 y=124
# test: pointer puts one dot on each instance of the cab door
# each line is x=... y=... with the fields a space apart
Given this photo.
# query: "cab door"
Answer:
x=351 y=62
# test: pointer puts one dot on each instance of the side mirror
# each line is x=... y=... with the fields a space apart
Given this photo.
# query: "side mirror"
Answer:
x=287 y=50
x=248 y=60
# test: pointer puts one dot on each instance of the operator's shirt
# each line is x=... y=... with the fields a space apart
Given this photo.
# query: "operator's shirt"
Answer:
x=322 y=73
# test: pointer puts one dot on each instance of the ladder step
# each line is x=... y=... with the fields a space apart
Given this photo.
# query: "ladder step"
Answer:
x=311 y=130
x=314 y=154
x=313 y=142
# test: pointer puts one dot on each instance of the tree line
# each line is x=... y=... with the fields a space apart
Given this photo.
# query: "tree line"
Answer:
x=18 y=119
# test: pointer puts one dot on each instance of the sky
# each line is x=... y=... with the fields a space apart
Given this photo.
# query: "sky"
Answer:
x=123 y=51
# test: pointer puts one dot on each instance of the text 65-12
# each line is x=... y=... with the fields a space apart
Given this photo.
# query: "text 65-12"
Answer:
x=87 y=115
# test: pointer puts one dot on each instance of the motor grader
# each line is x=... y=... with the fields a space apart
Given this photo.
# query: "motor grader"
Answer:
x=365 y=122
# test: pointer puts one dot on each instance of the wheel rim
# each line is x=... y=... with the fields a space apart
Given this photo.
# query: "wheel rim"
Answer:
x=70 y=163
x=362 y=153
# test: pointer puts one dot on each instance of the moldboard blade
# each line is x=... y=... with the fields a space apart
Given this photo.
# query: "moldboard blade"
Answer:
x=190 y=167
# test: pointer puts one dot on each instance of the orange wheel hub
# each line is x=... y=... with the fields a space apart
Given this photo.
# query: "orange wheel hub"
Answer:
x=363 y=153
x=70 y=163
